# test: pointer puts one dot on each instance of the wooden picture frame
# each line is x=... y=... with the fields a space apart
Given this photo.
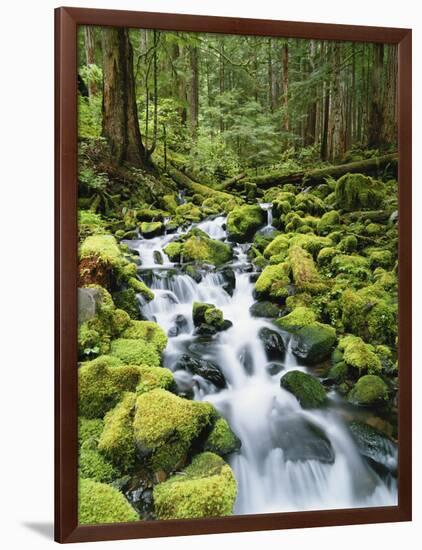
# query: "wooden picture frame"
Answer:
x=66 y=522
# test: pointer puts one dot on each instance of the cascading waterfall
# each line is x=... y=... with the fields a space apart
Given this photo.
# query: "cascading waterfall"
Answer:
x=290 y=459
x=268 y=207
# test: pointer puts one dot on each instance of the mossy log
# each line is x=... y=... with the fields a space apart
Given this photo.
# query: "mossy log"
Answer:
x=186 y=182
x=315 y=177
x=231 y=181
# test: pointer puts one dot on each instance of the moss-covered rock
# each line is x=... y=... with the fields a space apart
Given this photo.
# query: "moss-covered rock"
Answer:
x=101 y=386
x=351 y=265
x=348 y=244
x=304 y=273
x=278 y=246
x=369 y=390
x=222 y=440
x=328 y=222
x=310 y=242
x=126 y=299
x=189 y=212
x=338 y=372
x=208 y=317
x=92 y=465
x=104 y=247
x=101 y=503
x=358 y=192
x=307 y=389
x=140 y=288
x=151 y=229
x=117 y=441
x=313 y=343
x=203 y=249
x=326 y=255
x=174 y=251
x=149 y=331
x=359 y=355
x=298 y=318
x=155 y=377
x=206 y=488
x=309 y=203
x=166 y=426
x=135 y=352
x=169 y=203
x=265 y=309
x=273 y=282
x=243 y=221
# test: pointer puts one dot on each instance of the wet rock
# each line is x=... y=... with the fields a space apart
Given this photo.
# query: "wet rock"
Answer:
x=378 y=449
x=181 y=326
x=151 y=229
x=313 y=343
x=203 y=368
x=229 y=280
x=300 y=440
x=194 y=273
x=158 y=257
x=265 y=309
x=184 y=383
x=307 y=389
x=138 y=491
x=273 y=343
x=208 y=319
x=245 y=358
x=89 y=299
x=274 y=368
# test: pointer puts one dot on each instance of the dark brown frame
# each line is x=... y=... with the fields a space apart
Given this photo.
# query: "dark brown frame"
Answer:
x=66 y=524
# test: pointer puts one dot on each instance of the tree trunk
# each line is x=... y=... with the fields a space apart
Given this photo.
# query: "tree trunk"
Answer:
x=389 y=136
x=336 y=122
x=376 y=114
x=120 y=115
x=193 y=89
x=285 y=85
x=90 y=56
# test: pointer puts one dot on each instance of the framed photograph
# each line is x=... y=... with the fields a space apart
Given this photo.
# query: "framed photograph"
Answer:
x=233 y=274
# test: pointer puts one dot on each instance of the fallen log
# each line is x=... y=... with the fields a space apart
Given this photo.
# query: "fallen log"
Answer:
x=186 y=182
x=314 y=177
x=228 y=183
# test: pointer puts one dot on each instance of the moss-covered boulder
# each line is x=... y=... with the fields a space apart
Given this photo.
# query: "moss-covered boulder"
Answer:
x=93 y=465
x=166 y=426
x=277 y=247
x=265 y=309
x=101 y=386
x=151 y=229
x=135 y=352
x=102 y=503
x=208 y=318
x=199 y=248
x=359 y=355
x=307 y=389
x=310 y=242
x=140 y=288
x=222 y=440
x=304 y=273
x=313 y=343
x=352 y=266
x=328 y=222
x=243 y=221
x=358 y=192
x=300 y=317
x=206 y=488
x=174 y=251
x=273 y=282
x=147 y=330
x=369 y=390
x=189 y=211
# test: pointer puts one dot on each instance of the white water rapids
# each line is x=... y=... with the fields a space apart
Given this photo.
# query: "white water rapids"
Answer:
x=282 y=465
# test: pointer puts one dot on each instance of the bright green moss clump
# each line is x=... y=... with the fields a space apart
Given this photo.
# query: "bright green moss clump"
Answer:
x=117 y=441
x=298 y=318
x=222 y=440
x=243 y=221
x=151 y=229
x=101 y=386
x=359 y=355
x=155 y=377
x=135 y=352
x=203 y=249
x=206 y=488
x=92 y=465
x=306 y=388
x=140 y=288
x=304 y=272
x=273 y=282
x=149 y=331
x=279 y=245
x=173 y=251
x=103 y=246
x=358 y=192
x=369 y=390
x=101 y=503
x=328 y=222
x=166 y=426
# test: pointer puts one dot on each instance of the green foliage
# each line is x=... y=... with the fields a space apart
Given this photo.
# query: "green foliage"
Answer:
x=359 y=355
x=101 y=503
x=135 y=352
x=369 y=390
x=358 y=192
x=206 y=488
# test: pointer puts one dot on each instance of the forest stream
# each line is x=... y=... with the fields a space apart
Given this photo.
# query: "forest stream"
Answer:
x=290 y=458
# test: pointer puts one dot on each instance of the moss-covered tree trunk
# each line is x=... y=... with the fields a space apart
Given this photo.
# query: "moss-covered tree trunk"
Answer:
x=90 y=56
x=376 y=112
x=120 y=114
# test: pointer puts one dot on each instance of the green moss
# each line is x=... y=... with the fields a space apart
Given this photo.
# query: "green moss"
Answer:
x=169 y=203
x=298 y=318
x=127 y=300
x=359 y=355
x=222 y=440
x=328 y=222
x=101 y=503
x=173 y=251
x=135 y=352
x=92 y=465
x=348 y=244
x=155 y=377
x=166 y=426
x=117 y=442
x=204 y=249
x=309 y=203
x=307 y=389
x=313 y=343
x=379 y=257
x=273 y=282
x=370 y=313
x=149 y=331
x=358 y=192
x=90 y=341
x=206 y=488
x=351 y=265
x=369 y=390
x=304 y=273
x=338 y=372
x=189 y=211
x=311 y=243
x=101 y=386
x=89 y=431
x=151 y=229
x=243 y=221
x=373 y=229
x=104 y=247
x=141 y=288
x=326 y=255
x=279 y=245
